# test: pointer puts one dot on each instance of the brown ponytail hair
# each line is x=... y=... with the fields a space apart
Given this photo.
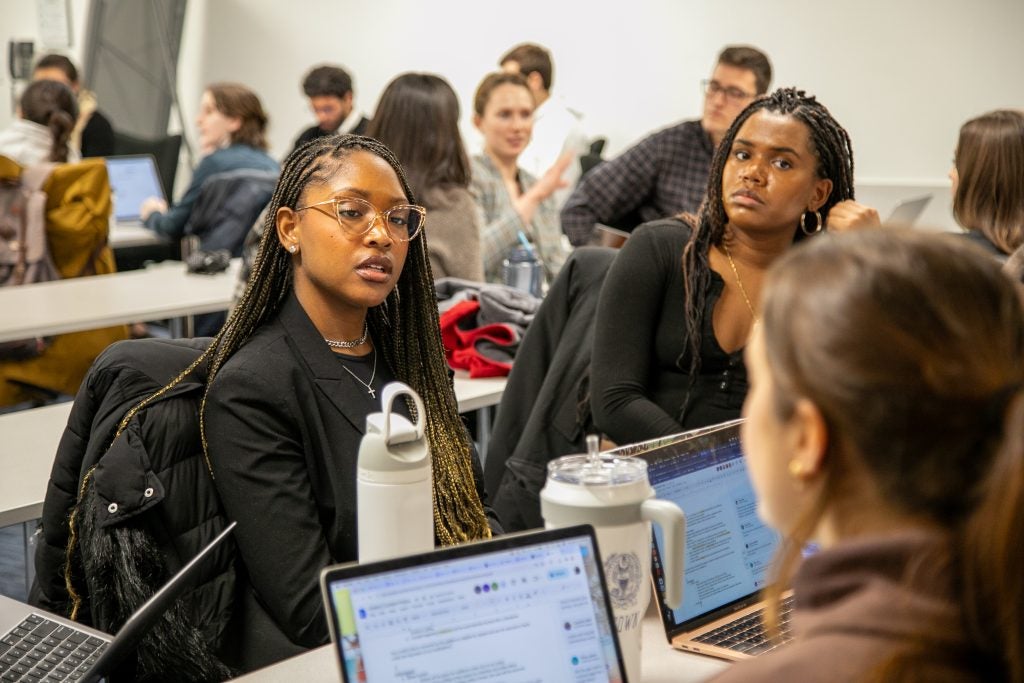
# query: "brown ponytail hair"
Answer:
x=53 y=105
x=912 y=347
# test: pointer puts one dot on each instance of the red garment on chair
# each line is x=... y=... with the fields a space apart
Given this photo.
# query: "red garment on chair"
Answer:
x=460 y=335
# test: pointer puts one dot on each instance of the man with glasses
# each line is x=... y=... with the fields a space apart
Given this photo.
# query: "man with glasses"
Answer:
x=667 y=172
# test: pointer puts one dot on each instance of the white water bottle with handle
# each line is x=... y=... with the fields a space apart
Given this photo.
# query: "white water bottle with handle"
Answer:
x=394 y=483
x=614 y=495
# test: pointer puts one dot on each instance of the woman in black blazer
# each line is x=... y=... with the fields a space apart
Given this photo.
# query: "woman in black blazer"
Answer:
x=340 y=302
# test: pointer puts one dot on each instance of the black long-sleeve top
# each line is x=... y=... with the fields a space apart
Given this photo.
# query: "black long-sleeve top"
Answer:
x=640 y=369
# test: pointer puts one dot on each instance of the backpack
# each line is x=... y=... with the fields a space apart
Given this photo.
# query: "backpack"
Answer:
x=24 y=249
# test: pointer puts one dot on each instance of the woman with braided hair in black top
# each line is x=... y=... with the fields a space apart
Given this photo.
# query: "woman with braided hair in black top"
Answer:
x=340 y=302
x=683 y=294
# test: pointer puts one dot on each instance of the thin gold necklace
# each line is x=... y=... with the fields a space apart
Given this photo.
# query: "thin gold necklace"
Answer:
x=743 y=290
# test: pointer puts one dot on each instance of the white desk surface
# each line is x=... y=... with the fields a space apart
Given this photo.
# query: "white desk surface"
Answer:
x=473 y=394
x=661 y=663
x=163 y=290
x=29 y=438
x=28 y=442
x=124 y=235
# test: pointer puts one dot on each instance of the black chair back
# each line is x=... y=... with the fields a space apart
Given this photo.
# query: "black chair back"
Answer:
x=164 y=150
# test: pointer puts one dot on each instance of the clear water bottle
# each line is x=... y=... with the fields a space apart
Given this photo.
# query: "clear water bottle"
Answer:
x=523 y=271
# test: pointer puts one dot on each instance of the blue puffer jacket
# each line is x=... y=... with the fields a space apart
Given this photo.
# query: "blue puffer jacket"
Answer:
x=143 y=504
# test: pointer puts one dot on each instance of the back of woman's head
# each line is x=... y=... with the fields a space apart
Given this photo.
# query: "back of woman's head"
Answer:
x=237 y=101
x=418 y=118
x=989 y=162
x=912 y=347
x=53 y=105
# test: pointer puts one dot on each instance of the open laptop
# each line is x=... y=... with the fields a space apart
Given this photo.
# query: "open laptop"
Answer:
x=908 y=211
x=39 y=646
x=133 y=179
x=524 y=607
x=729 y=550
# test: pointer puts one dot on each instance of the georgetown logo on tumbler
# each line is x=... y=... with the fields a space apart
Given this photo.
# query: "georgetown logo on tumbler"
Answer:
x=622 y=572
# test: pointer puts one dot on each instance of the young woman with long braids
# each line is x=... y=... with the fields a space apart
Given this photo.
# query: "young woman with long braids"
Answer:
x=679 y=302
x=885 y=421
x=339 y=303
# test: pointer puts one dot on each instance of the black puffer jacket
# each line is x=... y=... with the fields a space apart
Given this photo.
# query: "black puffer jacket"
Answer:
x=144 y=504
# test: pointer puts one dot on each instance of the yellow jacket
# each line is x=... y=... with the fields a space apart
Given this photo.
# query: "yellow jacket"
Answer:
x=77 y=220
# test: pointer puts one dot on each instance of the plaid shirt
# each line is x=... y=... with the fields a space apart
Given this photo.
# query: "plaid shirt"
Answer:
x=501 y=224
x=664 y=174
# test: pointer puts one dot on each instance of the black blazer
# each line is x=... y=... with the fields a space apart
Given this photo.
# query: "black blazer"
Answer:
x=284 y=421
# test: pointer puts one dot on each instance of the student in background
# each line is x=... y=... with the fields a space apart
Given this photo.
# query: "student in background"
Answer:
x=988 y=183
x=232 y=136
x=329 y=89
x=42 y=132
x=418 y=119
x=557 y=129
x=884 y=422
x=513 y=201
x=93 y=134
x=339 y=304
x=681 y=298
x=666 y=173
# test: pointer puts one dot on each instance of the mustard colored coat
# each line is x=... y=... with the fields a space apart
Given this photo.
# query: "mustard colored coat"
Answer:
x=77 y=221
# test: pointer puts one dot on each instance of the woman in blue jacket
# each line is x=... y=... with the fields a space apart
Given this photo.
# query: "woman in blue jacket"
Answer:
x=232 y=126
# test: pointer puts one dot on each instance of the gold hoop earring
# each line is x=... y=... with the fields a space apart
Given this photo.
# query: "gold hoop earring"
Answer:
x=818 y=225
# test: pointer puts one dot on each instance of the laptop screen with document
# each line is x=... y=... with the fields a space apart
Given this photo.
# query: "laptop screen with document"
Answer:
x=133 y=179
x=729 y=549
x=521 y=607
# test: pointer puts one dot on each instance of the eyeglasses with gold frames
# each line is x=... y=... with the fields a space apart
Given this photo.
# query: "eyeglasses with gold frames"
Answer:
x=357 y=216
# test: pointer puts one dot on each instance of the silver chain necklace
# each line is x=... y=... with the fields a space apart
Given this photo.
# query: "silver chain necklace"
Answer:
x=369 y=388
x=335 y=344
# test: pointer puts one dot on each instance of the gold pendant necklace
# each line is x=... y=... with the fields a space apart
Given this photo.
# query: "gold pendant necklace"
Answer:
x=743 y=290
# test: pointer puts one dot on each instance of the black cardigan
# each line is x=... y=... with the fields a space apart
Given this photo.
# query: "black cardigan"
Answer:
x=640 y=369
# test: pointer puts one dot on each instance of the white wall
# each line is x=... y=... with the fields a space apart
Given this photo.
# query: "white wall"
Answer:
x=900 y=75
x=19 y=21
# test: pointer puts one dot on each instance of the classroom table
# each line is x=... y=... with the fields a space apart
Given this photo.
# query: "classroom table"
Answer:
x=129 y=235
x=29 y=438
x=159 y=292
x=661 y=663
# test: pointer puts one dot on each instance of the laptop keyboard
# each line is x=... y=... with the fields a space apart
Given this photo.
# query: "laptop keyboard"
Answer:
x=42 y=650
x=748 y=634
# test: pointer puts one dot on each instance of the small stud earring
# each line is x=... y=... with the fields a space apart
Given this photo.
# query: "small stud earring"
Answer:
x=796 y=469
x=292 y=249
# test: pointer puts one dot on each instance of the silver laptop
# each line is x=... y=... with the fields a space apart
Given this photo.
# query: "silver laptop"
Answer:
x=40 y=646
x=908 y=211
x=133 y=179
x=522 y=607
x=729 y=550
